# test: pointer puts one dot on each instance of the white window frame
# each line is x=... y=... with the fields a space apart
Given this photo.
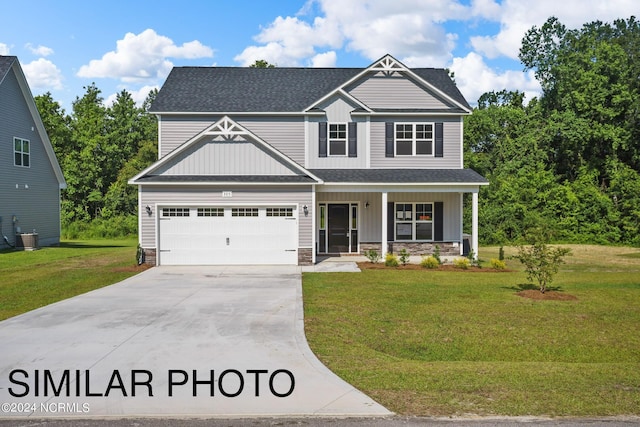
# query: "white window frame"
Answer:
x=413 y=221
x=21 y=152
x=345 y=140
x=414 y=140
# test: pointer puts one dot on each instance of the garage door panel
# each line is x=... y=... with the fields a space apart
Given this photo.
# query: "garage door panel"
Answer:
x=228 y=240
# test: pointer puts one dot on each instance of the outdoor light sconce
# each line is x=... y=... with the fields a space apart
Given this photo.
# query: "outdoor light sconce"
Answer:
x=148 y=209
x=305 y=209
x=366 y=205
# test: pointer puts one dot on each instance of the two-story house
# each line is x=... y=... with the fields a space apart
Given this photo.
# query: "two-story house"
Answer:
x=30 y=176
x=279 y=165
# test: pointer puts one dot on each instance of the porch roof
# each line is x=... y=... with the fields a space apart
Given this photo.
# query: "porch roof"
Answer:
x=400 y=176
x=214 y=179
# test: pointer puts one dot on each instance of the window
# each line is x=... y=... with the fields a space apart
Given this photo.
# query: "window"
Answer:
x=279 y=211
x=337 y=139
x=244 y=212
x=210 y=212
x=413 y=139
x=21 y=152
x=414 y=221
x=175 y=211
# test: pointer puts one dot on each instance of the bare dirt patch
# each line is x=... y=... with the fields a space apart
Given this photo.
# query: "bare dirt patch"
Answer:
x=535 y=294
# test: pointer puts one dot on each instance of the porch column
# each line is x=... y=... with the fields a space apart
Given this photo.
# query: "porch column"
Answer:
x=474 y=224
x=384 y=224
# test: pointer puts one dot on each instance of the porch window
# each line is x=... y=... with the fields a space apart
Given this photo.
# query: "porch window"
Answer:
x=337 y=139
x=413 y=221
x=414 y=139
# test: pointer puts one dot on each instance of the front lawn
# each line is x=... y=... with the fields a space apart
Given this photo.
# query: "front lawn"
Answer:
x=29 y=280
x=439 y=343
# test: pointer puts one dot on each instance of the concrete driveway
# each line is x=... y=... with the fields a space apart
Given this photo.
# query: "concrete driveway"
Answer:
x=173 y=341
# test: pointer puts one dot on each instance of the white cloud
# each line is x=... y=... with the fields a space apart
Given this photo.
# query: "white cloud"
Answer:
x=518 y=16
x=43 y=74
x=138 y=96
x=39 y=50
x=4 y=49
x=141 y=57
x=324 y=60
x=474 y=77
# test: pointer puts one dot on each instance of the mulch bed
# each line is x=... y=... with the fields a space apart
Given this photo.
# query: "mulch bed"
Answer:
x=443 y=267
x=547 y=296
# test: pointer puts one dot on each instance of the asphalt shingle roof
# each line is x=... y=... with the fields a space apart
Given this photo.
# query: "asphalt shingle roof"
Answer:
x=242 y=89
x=400 y=176
x=276 y=179
x=5 y=65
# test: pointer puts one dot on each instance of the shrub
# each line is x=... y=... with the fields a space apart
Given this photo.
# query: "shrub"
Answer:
x=436 y=254
x=404 y=256
x=372 y=255
x=541 y=261
x=498 y=264
x=429 y=262
x=390 y=260
x=501 y=254
x=462 y=263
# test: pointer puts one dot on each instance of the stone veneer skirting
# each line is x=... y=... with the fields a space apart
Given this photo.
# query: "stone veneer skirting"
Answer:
x=305 y=256
x=150 y=256
x=415 y=248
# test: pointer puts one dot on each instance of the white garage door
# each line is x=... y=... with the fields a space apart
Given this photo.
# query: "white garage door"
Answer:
x=228 y=235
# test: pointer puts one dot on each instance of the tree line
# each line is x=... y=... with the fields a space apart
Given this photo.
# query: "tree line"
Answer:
x=567 y=162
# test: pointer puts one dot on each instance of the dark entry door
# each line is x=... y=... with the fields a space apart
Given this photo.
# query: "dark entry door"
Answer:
x=338 y=228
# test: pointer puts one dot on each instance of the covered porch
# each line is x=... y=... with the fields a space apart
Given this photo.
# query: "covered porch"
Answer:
x=353 y=217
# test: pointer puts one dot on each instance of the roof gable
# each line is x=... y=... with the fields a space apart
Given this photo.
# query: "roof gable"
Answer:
x=9 y=64
x=225 y=143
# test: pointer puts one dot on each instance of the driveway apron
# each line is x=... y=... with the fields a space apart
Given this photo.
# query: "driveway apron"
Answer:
x=174 y=341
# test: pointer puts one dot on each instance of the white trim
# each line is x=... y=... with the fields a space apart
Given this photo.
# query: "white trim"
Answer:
x=228 y=128
x=367 y=146
x=159 y=136
x=218 y=183
x=346 y=139
x=314 y=245
x=410 y=114
x=474 y=224
x=413 y=222
x=414 y=139
x=399 y=188
x=384 y=238
x=358 y=228
x=461 y=224
x=239 y=113
x=339 y=91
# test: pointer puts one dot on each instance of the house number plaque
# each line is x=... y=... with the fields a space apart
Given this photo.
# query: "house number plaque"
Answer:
x=227 y=194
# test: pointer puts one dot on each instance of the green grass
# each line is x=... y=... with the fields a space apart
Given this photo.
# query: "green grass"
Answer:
x=29 y=280
x=452 y=343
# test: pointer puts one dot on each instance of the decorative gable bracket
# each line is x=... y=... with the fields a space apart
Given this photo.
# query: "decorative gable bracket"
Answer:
x=226 y=128
x=388 y=65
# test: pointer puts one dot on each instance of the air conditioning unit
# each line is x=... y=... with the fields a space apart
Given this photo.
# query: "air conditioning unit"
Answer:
x=27 y=241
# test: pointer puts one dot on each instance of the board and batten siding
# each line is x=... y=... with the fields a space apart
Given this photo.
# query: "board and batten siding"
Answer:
x=284 y=133
x=241 y=196
x=31 y=193
x=371 y=218
x=394 y=91
x=225 y=157
x=452 y=148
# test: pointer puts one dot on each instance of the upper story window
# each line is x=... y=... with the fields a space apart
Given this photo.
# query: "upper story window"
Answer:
x=337 y=139
x=21 y=152
x=414 y=139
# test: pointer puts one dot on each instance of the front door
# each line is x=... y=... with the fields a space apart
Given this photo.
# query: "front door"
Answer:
x=338 y=228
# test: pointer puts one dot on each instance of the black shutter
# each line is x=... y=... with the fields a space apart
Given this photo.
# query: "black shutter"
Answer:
x=390 y=221
x=439 y=140
x=353 y=139
x=322 y=139
x=438 y=221
x=388 y=139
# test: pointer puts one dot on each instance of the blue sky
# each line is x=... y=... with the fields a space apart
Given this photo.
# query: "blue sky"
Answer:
x=65 y=46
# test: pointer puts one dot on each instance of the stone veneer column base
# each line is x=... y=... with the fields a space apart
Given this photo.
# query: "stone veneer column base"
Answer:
x=425 y=248
x=305 y=256
x=150 y=256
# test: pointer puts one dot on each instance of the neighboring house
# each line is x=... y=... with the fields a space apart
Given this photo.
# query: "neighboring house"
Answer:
x=30 y=176
x=280 y=165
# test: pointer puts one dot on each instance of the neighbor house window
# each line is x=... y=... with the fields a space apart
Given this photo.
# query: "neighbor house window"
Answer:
x=21 y=152
x=413 y=139
x=337 y=139
x=414 y=221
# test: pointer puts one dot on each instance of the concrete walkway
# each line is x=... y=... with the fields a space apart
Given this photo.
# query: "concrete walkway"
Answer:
x=174 y=341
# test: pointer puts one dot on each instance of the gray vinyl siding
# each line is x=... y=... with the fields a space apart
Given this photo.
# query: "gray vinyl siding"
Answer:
x=230 y=157
x=336 y=162
x=371 y=218
x=395 y=91
x=30 y=193
x=452 y=133
x=174 y=131
x=242 y=196
x=285 y=134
